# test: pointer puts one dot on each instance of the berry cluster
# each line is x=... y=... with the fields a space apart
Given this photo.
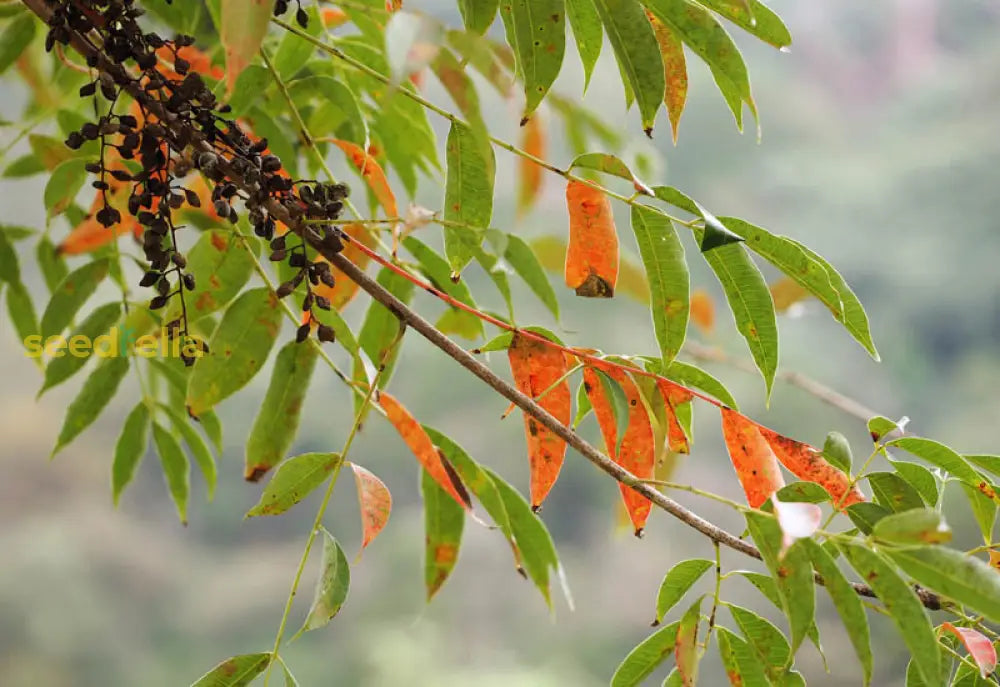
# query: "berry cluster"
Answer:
x=301 y=16
x=176 y=124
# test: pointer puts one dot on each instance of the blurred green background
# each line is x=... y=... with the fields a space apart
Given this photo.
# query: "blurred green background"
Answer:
x=879 y=151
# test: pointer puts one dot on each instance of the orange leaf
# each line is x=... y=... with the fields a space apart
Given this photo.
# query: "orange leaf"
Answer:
x=592 y=253
x=994 y=559
x=637 y=452
x=200 y=63
x=674 y=71
x=703 y=311
x=423 y=448
x=89 y=235
x=809 y=465
x=536 y=367
x=755 y=464
x=344 y=289
x=530 y=177
x=673 y=396
x=979 y=647
x=372 y=173
x=375 y=502
x=333 y=17
x=786 y=292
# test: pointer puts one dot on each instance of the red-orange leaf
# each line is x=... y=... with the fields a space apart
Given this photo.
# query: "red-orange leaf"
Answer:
x=333 y=17
x=979 y=647
x=372 y=173
x=344 y=289
x=674 y=71
x=637 y=452
x=592 y=253
x=375 y=502
x=423 y=448
x=536 y=367
x=673 y=396
x=529 y=182
x=809 y=465
x=755 y=464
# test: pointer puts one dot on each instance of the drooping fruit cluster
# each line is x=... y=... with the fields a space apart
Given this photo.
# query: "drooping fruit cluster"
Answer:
x=301 y=16
x=176 y=125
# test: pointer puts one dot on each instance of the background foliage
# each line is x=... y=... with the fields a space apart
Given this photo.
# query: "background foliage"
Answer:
x=930 y=373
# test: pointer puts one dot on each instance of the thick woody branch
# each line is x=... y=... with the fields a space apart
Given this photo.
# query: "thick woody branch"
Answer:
x=432 y=334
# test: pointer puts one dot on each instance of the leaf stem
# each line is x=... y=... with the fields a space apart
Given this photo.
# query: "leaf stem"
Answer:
x=318 y=521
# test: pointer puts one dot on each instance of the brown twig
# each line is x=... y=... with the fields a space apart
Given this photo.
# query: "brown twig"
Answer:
x=434 y=336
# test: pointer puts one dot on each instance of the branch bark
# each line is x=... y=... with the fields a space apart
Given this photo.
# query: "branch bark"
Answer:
x=438 y=339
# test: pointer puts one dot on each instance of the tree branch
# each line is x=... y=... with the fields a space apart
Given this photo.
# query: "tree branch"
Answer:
x=428 y=331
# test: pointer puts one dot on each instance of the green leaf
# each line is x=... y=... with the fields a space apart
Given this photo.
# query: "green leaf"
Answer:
x=253 y=82
x=803 y=492
x=331 y=587
x=63 y=184
x=582 y=405
x=879 y=427
x=792 y=572
x=989 y=463
x=16 y=37
x=221 y=268
x=278 y=417
x=943 y=457
x=533 y=541
x=478 y=15
x=91 y=330
x=953 y=574
x=865 y=515
x=176 y=470
x=753 y=17
x=237 y=350
x=500 y=342
x=619 y=405
x=587 y=31
x=70 y=295
x=738 y=660
x=751 y=304
x=902 y=604
x=25 y=166
x=97 y=391
x=984 y=509
x=381 y=328
x=646 y=657
x=701 y=32
x=444 y=520
x=468 y=196
x=638 y=53
x=497 y=273
x=766 y=641
x=690 y=375
x=52 y=264
x=893 y=492
x=294 y=51
x=920 y=478
x=677 y=582
x=847 y=603
x=536 y=32
x=338 y=112
x=437 y=270
x=916 y=526
x=9 y=268
x=244 y=25
x=669 y=284
x=522 y=258
x=474 y=478
x=294 y=480
x=237 y=671
x=130 y=449
x=21 y=311
x=687 y=644
x=451 y=73
x=196 y=447
x=212 y=427
x=855 y=319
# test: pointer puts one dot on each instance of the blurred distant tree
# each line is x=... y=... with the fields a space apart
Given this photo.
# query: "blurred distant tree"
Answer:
x=215 y=151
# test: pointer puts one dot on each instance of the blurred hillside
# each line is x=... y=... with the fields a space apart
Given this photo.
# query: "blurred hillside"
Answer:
x=879 y=151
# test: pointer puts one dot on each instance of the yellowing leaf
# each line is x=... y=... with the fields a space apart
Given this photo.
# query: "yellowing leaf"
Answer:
x=373 y=174
x=536 y=368
x=755 y=464
x=375 y=502
x=592 y=253
x=423 y=448
x=244 y=25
